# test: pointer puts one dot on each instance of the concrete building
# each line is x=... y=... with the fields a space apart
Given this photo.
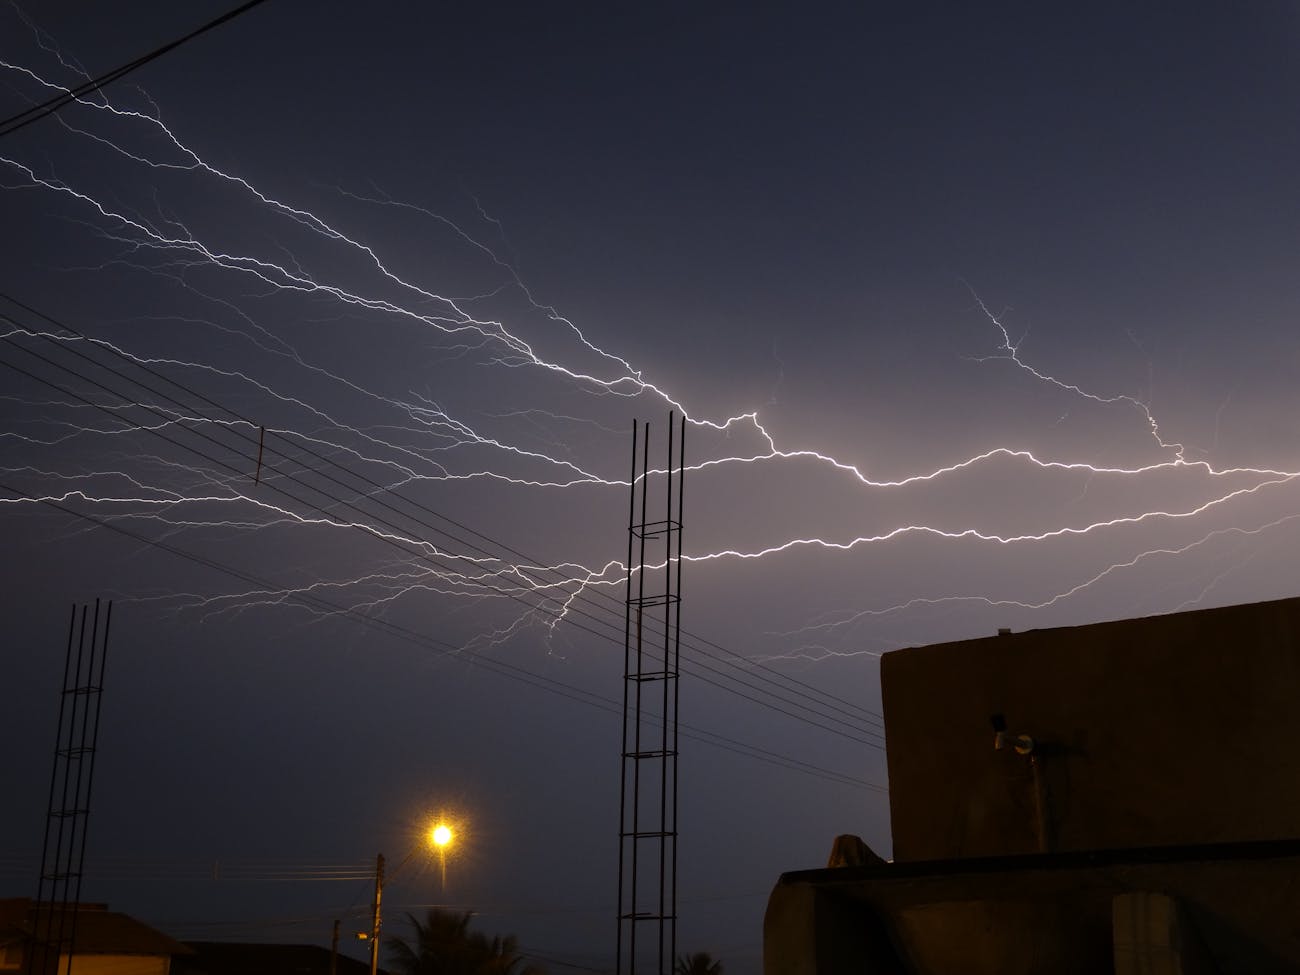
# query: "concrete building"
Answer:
x=1119 y=797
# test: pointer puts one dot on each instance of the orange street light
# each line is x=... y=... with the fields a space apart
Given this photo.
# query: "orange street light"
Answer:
x=441 y=835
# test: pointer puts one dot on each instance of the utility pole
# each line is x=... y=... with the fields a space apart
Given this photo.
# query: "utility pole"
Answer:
x=374 y=930
x=334 y=950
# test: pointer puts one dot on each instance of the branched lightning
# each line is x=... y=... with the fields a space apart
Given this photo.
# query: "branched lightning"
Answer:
x=287 y=442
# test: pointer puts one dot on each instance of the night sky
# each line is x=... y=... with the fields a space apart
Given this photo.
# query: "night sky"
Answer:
x=982 y=315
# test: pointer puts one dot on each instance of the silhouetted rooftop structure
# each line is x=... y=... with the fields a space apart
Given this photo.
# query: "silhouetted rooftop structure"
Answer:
x=1117 y=797
x=235 y=958
x=99 y=932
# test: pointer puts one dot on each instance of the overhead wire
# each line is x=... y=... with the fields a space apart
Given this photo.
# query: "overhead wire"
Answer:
x=800 y=688
x=787 y=682
x=35 y=113
x=501 y=667
x=216 y=868
x=333 y=498
x=373 y=533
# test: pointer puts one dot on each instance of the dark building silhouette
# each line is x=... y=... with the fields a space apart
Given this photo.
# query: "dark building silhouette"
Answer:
x=1120 y=797
x=236 y=958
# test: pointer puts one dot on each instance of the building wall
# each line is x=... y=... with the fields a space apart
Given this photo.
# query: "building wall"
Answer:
x=116 y=965
x=1023 y=916
x=1168 y=730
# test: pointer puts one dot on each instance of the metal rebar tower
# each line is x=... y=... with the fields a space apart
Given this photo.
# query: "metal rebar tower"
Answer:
x=647 y=854
x=63 y=856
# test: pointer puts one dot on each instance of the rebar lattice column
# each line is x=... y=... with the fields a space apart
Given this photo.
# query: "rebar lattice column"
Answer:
x=63 y=855
x=647 y=855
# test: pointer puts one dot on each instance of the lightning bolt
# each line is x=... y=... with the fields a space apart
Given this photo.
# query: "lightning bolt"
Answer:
x=94 y=426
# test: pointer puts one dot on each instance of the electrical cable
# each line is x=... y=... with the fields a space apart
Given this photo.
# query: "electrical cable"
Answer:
x=369 y=530
x=873 y=717
x=498 y=666
x=37 y=112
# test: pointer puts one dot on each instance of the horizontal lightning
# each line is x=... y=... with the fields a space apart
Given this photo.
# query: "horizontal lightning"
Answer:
x=394 y=443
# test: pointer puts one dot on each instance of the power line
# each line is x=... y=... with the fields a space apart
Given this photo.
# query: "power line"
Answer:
x=49 y=106
x=381 y=537
x=217 y=869
x=503 y=668
x=798 y=687
x=545 y=610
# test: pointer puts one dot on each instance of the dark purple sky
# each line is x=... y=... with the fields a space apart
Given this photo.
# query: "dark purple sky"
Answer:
x=452 y=251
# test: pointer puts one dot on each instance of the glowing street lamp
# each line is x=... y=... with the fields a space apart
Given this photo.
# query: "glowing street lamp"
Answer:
x=440 y=836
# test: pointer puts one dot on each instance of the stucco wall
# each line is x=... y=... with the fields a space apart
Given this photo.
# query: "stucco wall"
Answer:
x=115 y=965
x=1166 y=730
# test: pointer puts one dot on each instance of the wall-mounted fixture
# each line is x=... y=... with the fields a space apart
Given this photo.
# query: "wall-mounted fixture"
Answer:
x=1023 y=744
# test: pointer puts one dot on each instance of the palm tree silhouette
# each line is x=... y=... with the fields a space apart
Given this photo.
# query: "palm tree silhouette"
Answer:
x=700 y=963
x=444 y=945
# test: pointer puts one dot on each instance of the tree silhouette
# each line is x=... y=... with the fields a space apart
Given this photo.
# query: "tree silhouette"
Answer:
x=700 y=963
x=444 y=945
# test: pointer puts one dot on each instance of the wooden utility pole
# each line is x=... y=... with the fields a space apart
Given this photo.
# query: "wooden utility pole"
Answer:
x=334 y=950
x=374 y=930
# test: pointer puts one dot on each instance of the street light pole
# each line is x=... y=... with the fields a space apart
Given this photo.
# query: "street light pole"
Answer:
x=440 y=837
x=374 y=930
